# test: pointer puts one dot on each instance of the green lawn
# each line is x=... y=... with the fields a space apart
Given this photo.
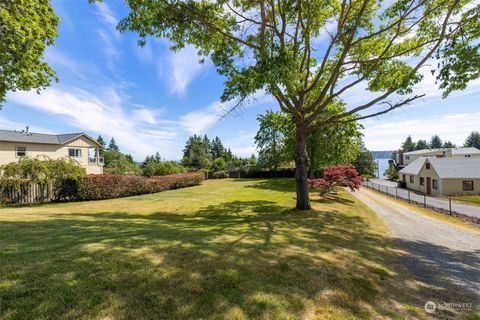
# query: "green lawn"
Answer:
x=231 y=249
x=470 y=199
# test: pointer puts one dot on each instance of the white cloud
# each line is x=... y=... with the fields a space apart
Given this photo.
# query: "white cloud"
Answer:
x=103 y=113
x=110 y=48
x=145 y=53
x=184 y=68
x=145 y=115
x=243 y=144
x=453 y=127
x=56 y=58
x=7 y=124
x=199 y=121
x=107 y=18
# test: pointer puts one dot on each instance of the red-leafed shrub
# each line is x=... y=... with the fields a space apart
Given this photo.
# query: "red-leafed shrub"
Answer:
x=337 y=176
x=108 y=186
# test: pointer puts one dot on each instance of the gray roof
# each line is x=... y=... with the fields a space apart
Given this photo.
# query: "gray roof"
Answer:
x=471 y=150
x=456 y=168
x=424 y=151
x=414 y=167
x=447 y=168
x=32 y=137
x=454 y=151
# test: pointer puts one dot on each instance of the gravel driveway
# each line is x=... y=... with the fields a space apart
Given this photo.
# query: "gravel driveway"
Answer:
x=439 y=253
x=457 y=206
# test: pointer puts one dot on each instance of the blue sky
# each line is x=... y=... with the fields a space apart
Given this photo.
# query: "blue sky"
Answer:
x=151 y=99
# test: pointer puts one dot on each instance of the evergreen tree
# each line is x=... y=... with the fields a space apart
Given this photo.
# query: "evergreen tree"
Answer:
x=228 y=155
x=217 y=150
x=365 y=162
x=101 y=142
x=473 y=140
x=435 y=142
x=113 y=145
x=207 y=145
x=421 y=144
x=194 y=154
x=449 y=144
x=408 y=145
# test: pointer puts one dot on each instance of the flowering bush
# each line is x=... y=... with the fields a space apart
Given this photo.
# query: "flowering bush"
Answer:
x=108 y=186
x=219 y=175
x=337 y=176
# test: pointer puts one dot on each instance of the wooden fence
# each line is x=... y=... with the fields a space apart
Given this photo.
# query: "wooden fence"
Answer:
x=28 y=193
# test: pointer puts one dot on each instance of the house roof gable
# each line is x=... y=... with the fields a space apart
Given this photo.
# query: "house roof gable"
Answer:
x=42 y=138
x=447 y=168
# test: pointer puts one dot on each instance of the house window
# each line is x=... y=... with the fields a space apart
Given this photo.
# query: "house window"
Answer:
x=412 y=179
x=76 y=153
x=467 y=156
x=422 y=181
x=467 y=185
x=435 y=184
x=21 y=152
x=427 y=166
x=407 y=157
x=404 y=178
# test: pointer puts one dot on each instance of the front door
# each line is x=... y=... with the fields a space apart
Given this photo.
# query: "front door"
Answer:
x=429 y=185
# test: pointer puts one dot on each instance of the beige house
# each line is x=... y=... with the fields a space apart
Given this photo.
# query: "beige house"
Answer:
x=409 y=157
x=443 y=176
x=78 y=146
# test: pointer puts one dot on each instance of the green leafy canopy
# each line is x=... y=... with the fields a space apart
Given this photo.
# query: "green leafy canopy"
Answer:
x=307 y=54
x=27 y=27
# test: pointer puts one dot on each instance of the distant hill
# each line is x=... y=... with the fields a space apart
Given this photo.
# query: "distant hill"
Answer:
x=382 y=154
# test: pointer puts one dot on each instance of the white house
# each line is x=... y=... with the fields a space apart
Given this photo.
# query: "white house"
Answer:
x=17 y=144
x=443 y=176
x=409 y=157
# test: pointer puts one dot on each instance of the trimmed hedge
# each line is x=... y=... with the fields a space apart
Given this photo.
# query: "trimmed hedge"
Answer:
x=109 y=186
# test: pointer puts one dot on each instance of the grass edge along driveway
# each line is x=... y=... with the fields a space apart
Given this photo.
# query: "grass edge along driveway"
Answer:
x=231 y=249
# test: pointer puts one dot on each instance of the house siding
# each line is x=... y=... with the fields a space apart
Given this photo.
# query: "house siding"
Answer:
x=425 y=173
x=455 y=187
x=446 y=187
x=52 y=151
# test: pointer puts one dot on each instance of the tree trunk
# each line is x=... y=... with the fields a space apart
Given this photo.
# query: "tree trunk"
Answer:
x=301 y=166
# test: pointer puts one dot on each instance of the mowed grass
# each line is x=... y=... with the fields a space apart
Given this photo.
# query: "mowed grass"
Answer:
x=471 y=199
x=228 y=249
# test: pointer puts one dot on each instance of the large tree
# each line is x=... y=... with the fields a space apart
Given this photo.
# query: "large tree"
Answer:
x=435 y=142
x=473 y=140
x=27 y=27
x=309 y=54
x=270 y=140
x=112 y=145
x=195 y=153
x=365 y=162
x=421 y=144
x=408 y=145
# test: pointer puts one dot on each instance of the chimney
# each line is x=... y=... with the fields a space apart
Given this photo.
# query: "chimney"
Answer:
x=26 y=130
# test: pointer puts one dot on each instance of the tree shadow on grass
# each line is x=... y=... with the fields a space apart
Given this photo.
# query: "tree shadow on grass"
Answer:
x=239 y=259
x=330 y=199
x=275 y=184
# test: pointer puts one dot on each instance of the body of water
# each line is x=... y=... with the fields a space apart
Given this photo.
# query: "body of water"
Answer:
x=382 y=166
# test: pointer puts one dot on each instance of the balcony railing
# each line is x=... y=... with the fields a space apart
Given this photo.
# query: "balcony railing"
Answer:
x=98 y=161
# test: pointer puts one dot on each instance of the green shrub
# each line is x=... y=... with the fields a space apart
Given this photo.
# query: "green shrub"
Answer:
x=391 y=173
x=219 y=175
x=219 y=164
x=63 y=174
x=162 y=168
x=108 y=186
